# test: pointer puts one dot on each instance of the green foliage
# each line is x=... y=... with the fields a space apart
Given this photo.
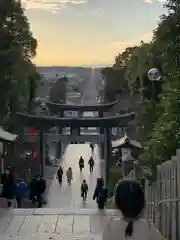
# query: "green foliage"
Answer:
x=114 y=83
x=114 y=177
x=58 y=91
x=161 y=117
x=17 y=73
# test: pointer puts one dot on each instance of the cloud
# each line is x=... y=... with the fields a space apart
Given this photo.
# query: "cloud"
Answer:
x=151 y=1
x=148 y=1
x=51 y=5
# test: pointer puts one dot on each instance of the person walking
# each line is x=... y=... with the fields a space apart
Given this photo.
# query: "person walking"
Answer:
x=20 y=193
x=41 y=187
x=60 y=174
x=8 y=189
x=33 y=190
x=81 y=163
x=100 y=193
x=69 y=175
x=91 y=164
x=130 y=200
x=92 y=147
x=84 y=189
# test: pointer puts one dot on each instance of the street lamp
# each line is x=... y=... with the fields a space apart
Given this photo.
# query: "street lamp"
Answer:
x=154 y=75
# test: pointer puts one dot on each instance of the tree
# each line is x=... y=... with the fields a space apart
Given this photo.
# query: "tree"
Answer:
x=164 y=139
x=58 y=91
x=114 y=82
x=161 y=118
x=17 y=48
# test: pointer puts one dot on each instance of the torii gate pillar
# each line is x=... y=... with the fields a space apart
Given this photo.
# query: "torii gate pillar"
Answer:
x=59 y=147
x=101 y=132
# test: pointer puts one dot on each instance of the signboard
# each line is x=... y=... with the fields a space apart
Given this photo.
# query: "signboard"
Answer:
x=71 y=114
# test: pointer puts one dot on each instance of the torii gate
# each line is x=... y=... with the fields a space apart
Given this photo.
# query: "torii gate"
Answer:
x=105 y=123
x=61 y=108
x=57 y=108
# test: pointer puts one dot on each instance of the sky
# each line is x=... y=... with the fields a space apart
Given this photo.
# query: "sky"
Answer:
x=89 y=32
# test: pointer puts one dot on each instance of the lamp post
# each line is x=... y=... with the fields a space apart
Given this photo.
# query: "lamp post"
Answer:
x=154 y=75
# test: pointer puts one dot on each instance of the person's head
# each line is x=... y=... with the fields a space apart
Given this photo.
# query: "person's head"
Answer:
x=84 y=181
x=129 y=199
x=70 y=169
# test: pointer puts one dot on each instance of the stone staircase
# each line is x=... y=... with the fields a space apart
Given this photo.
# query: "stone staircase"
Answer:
x=52 y=224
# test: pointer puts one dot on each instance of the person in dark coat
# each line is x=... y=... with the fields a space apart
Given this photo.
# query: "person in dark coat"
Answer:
x=60 y=174
x=91 y=164
x=20 y=193
x=84 y=189
x=41 y=187
x=98 y=185
x=100 y=193
x=81 y=163
x=8 y=190
x=33 y=190
x=92 y=147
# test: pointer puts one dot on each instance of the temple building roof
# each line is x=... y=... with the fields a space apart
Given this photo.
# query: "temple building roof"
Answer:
x=6 y=136
x=126 y=142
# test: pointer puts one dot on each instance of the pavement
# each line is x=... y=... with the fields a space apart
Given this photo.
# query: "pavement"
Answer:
x=66 y=196
x=60 y=224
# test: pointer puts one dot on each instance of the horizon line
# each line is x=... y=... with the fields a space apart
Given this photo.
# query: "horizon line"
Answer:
x=90 y=66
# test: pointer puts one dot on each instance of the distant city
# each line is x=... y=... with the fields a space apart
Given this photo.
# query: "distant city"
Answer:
x=55 y=72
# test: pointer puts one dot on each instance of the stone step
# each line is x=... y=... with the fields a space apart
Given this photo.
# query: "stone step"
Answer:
x=53 y=223
x=47 y=236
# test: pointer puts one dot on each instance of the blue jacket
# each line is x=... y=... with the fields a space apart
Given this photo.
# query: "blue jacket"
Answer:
x=21 y=190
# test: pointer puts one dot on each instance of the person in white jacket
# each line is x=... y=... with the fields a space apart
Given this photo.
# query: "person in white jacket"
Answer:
x=129 y=199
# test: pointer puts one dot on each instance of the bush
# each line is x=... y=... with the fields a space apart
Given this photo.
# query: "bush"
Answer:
x=114 y=177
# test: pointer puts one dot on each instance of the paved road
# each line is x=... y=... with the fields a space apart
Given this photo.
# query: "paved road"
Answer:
x=90 y=92
x=69 y=196
x=66 y=196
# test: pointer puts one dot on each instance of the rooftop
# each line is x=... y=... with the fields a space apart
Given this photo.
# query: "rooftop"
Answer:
x=6 y=136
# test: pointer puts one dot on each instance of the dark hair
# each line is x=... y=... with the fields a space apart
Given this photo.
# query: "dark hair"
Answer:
x=129 y=199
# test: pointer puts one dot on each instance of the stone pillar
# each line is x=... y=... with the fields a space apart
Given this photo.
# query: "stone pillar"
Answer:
x=107 y=154
x=101 y=132
x=58 y=150
x=75 y=131
x=41 y=151
x=81 y=114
